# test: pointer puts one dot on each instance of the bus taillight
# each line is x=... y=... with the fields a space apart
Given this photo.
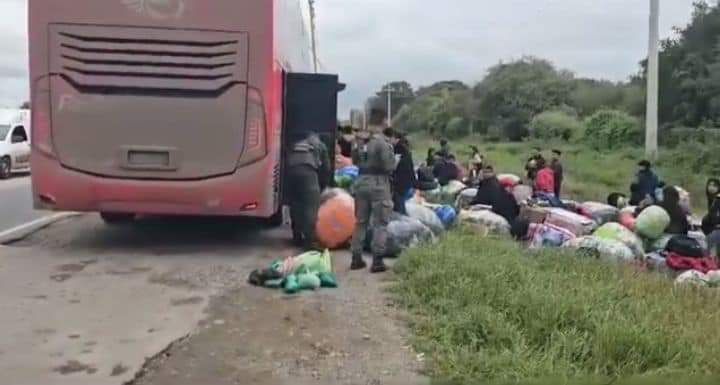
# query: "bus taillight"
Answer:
x=255 y=129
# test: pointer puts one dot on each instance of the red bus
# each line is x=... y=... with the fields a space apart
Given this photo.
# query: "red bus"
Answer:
x=162 y=106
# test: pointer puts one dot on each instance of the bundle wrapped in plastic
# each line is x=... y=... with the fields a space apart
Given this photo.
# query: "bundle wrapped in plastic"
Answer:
x=604 y=249
x=336 y=219
x=522 y=193
x=447 y=215
x=545 y=235
x=431 y=196
x=426 y=216
x=576 y=223
x=600 y=212
x=346 y=176
x=618 y=232
x=652 y=222
x=450 y=192
x=485 y=221
x=465 y=198
x=509 y=179
x=405 y=232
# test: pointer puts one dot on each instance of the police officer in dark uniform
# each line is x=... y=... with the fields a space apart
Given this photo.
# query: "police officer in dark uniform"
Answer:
x=308 y=174
x=375 y=158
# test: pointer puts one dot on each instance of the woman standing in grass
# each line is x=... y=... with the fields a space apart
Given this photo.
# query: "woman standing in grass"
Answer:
x=711 y=222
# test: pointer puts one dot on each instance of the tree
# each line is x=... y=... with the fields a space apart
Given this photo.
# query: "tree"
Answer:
x=402 y=94
x=513 y=93
x=25 y=106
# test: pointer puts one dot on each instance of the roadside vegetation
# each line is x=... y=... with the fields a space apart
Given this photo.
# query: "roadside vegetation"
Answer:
x=485 y=310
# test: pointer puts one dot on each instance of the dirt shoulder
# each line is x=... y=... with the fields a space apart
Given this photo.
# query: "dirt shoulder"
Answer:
x=350 y=335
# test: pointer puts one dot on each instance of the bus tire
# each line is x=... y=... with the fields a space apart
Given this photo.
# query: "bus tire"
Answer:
x=5 y=167
x=117 y=218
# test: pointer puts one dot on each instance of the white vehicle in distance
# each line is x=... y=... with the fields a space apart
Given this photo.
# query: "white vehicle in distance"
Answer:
x=14 y=142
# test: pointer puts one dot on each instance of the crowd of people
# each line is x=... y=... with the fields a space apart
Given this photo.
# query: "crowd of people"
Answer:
x=388 y=177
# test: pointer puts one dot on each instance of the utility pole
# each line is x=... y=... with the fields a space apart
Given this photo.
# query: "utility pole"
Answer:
x=313 y=30
x=651 y=124
x=389 y=106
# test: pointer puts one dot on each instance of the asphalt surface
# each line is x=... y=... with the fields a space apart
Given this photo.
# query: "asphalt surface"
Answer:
x=16 y=203
x=166 y=302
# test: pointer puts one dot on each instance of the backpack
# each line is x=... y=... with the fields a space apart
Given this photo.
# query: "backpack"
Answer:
x=685 y=246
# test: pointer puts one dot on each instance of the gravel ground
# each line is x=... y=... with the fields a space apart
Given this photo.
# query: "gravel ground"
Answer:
x=349 y=335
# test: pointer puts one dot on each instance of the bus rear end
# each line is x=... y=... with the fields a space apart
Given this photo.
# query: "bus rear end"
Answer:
x=155 y=107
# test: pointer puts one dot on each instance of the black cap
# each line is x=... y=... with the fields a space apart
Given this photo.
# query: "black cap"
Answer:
x=557 y=152
x=645 y=163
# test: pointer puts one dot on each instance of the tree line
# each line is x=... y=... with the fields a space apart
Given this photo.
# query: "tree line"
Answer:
x=532 y=97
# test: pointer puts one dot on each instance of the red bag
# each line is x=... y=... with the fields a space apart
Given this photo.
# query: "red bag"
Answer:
x=681 y=263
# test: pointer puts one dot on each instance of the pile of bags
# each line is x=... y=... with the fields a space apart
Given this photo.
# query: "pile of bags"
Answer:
x=308 y=271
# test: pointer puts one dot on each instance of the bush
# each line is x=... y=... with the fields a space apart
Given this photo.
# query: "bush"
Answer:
x=486 y=311
x=611 y=129
x=555 y=125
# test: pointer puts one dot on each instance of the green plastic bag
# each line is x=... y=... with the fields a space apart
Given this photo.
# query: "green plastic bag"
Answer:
x=309 y=281
x=292 y=285
x=314 y=262
x=328 y=280
x=652 y=222
x=620 y=233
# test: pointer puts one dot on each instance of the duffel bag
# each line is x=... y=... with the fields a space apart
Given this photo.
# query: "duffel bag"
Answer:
x=685 y=246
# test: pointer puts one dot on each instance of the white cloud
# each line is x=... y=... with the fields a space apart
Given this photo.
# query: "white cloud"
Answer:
x=369 y=42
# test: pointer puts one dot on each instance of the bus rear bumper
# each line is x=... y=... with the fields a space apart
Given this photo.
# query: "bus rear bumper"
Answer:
x=247 y=192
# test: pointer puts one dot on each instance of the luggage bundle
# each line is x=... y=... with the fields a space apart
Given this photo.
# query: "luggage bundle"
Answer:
x=608 y=250
x=546 y=235
x=485 y=221
x=336 y=219
x=576 y=223
x=426 y=216
x=601 y=213
x=618 y=232
x=465 y=198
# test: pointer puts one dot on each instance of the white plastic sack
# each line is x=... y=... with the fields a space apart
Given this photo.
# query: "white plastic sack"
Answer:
x=692 y=277
x=465 y=198
x=406 y=232
x=618 y=232
x=605 y=249
x=485 y=219
x=449 y=193
x=522 y=193
x=426 y=216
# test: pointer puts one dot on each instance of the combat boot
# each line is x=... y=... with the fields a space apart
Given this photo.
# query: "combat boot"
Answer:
x=357 y=262
x=378 y=266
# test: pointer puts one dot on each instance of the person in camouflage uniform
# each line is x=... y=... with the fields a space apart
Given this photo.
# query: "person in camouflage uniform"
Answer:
x=375 y=158
x=308 y=174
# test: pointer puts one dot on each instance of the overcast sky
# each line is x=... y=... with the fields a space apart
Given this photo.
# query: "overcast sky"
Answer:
x=370 y=42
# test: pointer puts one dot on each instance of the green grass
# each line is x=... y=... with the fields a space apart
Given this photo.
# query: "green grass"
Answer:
x=590 y=175
x=485 y=310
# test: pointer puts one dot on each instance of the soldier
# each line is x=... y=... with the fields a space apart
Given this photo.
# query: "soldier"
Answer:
x=308 y=173
x=373 y=197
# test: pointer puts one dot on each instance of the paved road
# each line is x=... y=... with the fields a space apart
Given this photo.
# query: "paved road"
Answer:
x=166 y=302
x=16 y=203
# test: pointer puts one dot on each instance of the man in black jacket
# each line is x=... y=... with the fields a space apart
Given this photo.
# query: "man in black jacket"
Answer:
x=404 y=178
x=491 y=193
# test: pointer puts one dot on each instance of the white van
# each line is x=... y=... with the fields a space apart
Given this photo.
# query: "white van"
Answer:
x=14 y=142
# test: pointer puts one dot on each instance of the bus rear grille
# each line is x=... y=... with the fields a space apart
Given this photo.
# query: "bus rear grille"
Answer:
x=148 y=58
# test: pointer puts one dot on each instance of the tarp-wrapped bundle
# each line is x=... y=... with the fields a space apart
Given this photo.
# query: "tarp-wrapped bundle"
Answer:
x=346 y=177
x=534 y=214
x=426 y=216
x=618 y=232
x=605 y=249
x=447 y=215
x=308 y=271
x=405 y=232
x=465 y=198
x=652 y=222
x=522 y=193
x=545 y=235
x=336 y=219
x=450 y=192
x=510 y=180
x=576 y=223
x=485 y=221
x=600 y=212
